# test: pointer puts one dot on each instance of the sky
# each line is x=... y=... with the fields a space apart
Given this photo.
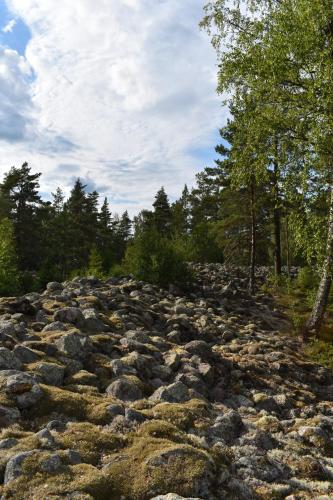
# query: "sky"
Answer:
x=120 y=93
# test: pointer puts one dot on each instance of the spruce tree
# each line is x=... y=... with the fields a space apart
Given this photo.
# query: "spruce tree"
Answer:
x=162 y=213
x=105 y=236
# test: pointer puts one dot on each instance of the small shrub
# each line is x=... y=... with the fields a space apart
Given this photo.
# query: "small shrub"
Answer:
x=307 y=278
x=321 y=352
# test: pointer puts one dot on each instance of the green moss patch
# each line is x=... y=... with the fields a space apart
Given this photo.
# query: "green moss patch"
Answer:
x=90 y=441
x=70 y=404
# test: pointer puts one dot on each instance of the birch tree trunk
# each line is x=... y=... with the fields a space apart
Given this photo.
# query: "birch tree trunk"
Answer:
x=315 y=321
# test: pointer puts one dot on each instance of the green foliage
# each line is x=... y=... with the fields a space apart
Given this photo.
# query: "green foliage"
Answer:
x=162 y=213
x=9 y=274
x=321 y=352
x=307 y=278
x=95 y=266
x=153 y=258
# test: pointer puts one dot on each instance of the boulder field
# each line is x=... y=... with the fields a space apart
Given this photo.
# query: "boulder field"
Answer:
x=120 y=390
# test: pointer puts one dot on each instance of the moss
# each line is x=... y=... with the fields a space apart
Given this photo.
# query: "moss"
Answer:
x=115 y=322
x=89 y=440
x=162 y=430
x=76 y=406
x=321 y=352
x=50 y=306
x=89 y=301
x=183 y=415
x=82 y=377
x=26 y=441
x=83 y=389
x=81 y=478
x=152 y=466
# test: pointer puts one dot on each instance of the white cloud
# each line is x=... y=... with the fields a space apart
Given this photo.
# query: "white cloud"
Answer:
x=8 y=28
x=131 y=83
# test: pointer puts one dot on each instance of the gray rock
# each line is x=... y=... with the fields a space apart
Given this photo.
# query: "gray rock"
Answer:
x=134 y=416
x=172 y=360
x=6 y=444
x=115 y=410
x=55 y=326
x=228 y=426
x=54 y=286
x=193 y=381
x=56 y=425
x=51 y=464
x=74 y=457
x=119 y=367
x=46 y=439
x=8 y=416
x=25 y=354
x=6 y=328
x=174 y=393
x=124 y=389
x=92 y=323
x=138 y=336
x=71 y=315
x=71 y=344
x=18 y=383
x=200 y=348
x=30 y=398
x=50 y=373
x=14 y=466
x=8 y=360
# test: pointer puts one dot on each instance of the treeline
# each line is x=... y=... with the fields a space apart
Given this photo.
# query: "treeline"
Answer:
x=44 y=241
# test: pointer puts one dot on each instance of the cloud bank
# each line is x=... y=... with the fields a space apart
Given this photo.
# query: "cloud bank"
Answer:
x=120 y=92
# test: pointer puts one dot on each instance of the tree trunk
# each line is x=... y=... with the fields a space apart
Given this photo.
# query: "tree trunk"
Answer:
x=277 y=223
x=315 y=321
x=287 y=245
x=253 y=242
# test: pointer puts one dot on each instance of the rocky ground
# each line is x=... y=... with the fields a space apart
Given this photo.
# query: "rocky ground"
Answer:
x=120 y=390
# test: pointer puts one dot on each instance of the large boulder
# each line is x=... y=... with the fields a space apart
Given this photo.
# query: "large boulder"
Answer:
x=173 y=393
x=14 y=466
x=24 y=389
x=8 y=416
x=8 y=360
x=6 y=328
x=71 y=315
x=72 y=344
x=125 y=389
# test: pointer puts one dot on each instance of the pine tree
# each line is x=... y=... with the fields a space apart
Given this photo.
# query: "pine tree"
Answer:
x=20 y=190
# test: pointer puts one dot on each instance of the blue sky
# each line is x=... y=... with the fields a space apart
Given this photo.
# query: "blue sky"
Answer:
x=123 y=97
x=14 y=32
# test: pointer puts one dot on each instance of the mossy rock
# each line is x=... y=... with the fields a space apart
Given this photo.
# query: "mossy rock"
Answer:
x=183 y=415
x=70 y=404
x=89 y=440
x=82 y=377
x=157 y=466
x=90 y=301
x=82 y=478
x=50 y=306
